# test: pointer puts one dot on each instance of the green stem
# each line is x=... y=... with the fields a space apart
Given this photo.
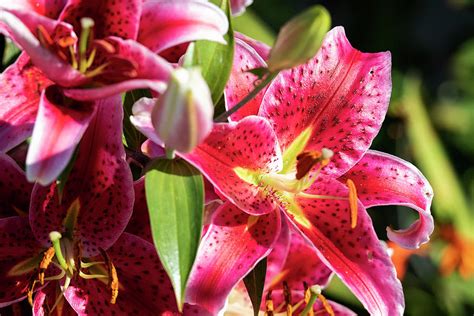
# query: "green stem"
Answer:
x=250 y=96
x=310 y=304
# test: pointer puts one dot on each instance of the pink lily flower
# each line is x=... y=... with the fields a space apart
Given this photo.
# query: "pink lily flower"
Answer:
x=86 y=51
x=94 y=209
x=238 y=6
x=306 y=155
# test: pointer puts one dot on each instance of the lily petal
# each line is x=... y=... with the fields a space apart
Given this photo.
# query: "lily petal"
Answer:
x=50 y=64
x=302 y=264
x=20 y=90
x=112 y=18
x=18 y=243
x=59 y=127
x=113 y=89
x=233 y=244
x=100 y=179
x=249 y=144
x=238 y=6
x=341 y=94
x=261 y=48
x=354 y=254
x=141 y=119
x=145 y=288
x=14 y=189
x=383 y=179
x=48 y=8
x=242 y=82
x=277 y=257
x=47 y=297
x=167 y=23
x=139 y=223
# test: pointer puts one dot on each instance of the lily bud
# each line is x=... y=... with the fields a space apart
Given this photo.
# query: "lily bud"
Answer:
x=299 y=39
x=182 y=116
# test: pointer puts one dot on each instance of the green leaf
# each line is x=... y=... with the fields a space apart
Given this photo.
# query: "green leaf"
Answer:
x=175 y=197
x=254 y=282
x=133 y=137
x=207 y=55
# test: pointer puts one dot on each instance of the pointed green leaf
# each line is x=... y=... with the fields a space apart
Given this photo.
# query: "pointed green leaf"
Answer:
x=133 y=137
x=254 y=283
x=175 y=198
x=209 y=54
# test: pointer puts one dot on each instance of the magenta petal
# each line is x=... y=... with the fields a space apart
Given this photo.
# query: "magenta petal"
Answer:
x=250 y=144
x=152 y=150
x=383 y=179
x=113 y=89
x=261 y=48
x=277 y=257
x=47 y=297
x=139 y=223
x=141 y=119
x=50 y=64
x=342 y=94
x=145 y=287
x=20 y=90
x=241 y=82
x=100 y=179
x=355 y=255
x=48 y=8
x=302 y=264
x=238 y=6
x=15 y=190
x=112 y=18
x=228 y=251
x=18 y=243
x=167 y=23
x=59 y=127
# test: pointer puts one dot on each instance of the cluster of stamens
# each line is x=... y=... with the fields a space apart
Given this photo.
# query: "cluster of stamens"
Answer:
x=311 y=295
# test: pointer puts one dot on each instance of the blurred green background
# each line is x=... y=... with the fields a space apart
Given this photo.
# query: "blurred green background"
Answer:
x=430 y=122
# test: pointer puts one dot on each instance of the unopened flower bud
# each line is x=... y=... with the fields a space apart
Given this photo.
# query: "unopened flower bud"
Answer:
x=299 y=39
x=182 y=116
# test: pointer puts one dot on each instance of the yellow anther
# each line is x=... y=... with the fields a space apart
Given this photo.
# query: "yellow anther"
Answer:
x=47 y=258
x=352 y=202
x=269 y=304
x=307 y=298
x=326 y=305
x=113 y=277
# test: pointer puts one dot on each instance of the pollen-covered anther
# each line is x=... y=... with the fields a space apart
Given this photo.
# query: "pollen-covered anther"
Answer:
x=326 y=305
x=269 y=309
x=308 y=159
x=352 y=202
x=45 y=262
x=307 y=299
x=113 y=283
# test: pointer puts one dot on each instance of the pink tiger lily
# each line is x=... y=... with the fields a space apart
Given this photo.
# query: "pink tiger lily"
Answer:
x=306 y=157
x=78 y=52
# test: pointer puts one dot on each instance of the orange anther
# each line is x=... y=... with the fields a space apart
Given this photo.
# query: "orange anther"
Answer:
x=326 y=305
x=113 y=278
x=352 y=202
x=47 y=258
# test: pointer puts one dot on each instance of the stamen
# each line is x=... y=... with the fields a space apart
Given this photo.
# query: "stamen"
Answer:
x=269 y=304
x=113 y=278
x=73 y=57
x=287 y=294
x=29 y=294
x=44 y=37
x=70 y=220
x=309 y=299
x=97 y=71
x=47 y=257
x=326 y=305
x=352 y=202
x=87 y=24
x=305 y=161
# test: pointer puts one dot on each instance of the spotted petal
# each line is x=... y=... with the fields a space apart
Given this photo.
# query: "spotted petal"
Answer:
x=14 y=189
x=145 y=287
x=100 y=179
x=354 y=254
x=111 y=17
x=341 y=96
x=139 y=223
x=261 y=48
x=249 y=144
x=48 y=8
x=18 y=243
x=167 y=23
x=20 y=90
x=383 y=179
x=242 y=82
x=59 y=126
x=233 y=244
